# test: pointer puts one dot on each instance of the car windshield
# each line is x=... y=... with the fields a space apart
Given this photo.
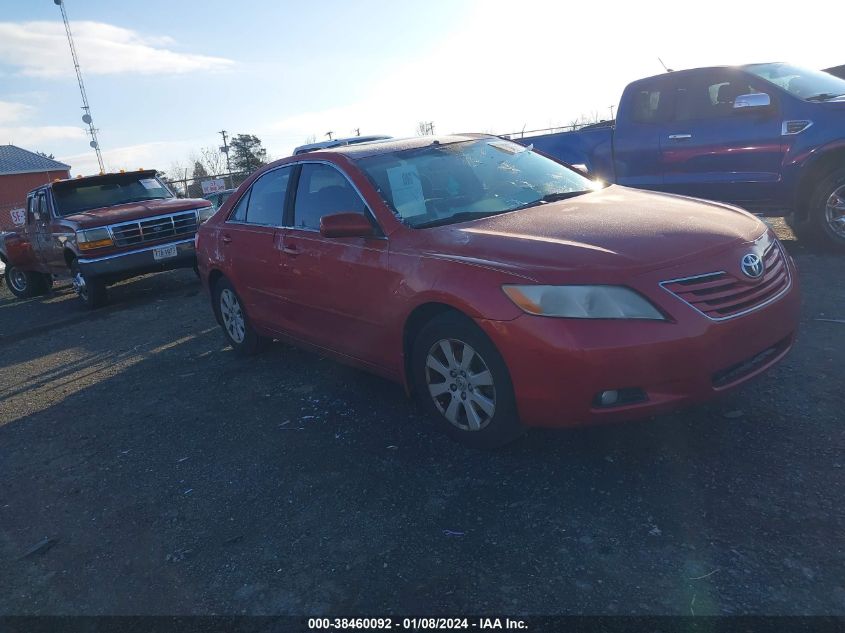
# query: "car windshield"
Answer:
x=811 y=85
x=106 y=191
x=454 y=182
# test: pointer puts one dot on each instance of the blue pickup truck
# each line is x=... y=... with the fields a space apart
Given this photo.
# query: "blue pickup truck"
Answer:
x=767 y=137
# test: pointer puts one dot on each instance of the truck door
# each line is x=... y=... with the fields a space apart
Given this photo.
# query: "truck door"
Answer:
x=644 y=111
x=44 y=243
x=715 y=151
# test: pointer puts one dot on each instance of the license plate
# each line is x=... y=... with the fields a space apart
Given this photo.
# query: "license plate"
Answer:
x=165 y=252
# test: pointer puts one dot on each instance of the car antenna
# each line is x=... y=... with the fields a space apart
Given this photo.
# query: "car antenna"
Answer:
x=665 y=67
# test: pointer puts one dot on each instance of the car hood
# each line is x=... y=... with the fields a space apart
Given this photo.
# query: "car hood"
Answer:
x=133 y=211
x=614 y=228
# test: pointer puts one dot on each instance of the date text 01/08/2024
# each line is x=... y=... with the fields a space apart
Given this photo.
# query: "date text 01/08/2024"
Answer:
x=415 y=624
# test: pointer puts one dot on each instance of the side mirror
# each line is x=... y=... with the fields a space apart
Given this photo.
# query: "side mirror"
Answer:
x=752 y=101
x=345 y=225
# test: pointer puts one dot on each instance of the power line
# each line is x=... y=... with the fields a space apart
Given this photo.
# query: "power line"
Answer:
x=86 y=118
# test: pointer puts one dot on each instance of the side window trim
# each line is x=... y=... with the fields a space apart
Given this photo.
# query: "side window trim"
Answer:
x=290 y=219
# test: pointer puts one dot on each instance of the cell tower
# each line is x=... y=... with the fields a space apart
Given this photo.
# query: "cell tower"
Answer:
x=86 y=117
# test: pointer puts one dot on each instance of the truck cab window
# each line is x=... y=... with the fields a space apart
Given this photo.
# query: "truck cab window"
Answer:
x=646 y=104
x=711 y=96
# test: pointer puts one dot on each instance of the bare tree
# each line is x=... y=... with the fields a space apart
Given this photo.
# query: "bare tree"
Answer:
x=425 y=128
x=311 y=138
x=212 y=159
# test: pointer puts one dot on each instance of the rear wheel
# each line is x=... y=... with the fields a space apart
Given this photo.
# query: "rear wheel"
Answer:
x=25 y=284
x=825 y=221
x=462 y=381
x=91 y=291
x=239 y=332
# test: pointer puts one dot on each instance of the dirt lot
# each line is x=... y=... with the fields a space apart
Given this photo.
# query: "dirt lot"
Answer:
x=168 y=476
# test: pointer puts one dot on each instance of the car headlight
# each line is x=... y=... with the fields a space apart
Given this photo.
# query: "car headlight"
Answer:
x=203 y=213
x=93 y=238
x=583 y=302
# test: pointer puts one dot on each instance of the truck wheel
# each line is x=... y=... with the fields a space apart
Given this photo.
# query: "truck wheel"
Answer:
x=825 y=222
x=25 y=284
x=92 y=292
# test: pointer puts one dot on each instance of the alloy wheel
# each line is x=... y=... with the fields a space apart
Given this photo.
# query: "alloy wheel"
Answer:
x=835 y=212
x=233 y=316
x=18 y=280
x=461 y=385
x=80 y=286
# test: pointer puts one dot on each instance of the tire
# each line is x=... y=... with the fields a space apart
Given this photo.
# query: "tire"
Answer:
x=470 y=398
x=234 y=321
x=91 y=291
x=25 y=284
x=825 y=206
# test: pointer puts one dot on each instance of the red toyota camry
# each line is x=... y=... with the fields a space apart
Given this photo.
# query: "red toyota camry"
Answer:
x=502 y=288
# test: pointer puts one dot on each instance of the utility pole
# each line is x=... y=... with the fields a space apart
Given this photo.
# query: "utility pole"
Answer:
x=225 y=149
x=357 y=131
x=611 y=113
x=329 y=134
x=86 y=118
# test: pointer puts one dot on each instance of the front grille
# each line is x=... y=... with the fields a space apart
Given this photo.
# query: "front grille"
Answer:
x=177 y=225
x=723 y=296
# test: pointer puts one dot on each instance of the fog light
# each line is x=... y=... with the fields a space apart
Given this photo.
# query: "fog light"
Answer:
x=619 y=397
x=608 y=398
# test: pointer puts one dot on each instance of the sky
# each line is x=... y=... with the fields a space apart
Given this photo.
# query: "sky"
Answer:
x=164 y=77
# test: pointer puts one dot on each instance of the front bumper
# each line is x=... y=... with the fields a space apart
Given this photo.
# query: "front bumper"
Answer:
x=559 y=366
x=139 y=262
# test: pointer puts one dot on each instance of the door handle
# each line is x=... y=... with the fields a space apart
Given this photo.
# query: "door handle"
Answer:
x=679 y=137
x=290 y=250
x=227 y=239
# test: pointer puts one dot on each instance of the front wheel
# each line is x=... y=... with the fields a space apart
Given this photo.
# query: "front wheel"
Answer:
x=462 y=381
x=239 y=332
x=25 y=284
x=825 y=222
x=91 y=291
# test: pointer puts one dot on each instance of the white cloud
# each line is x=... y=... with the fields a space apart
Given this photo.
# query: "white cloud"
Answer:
x=11 y=112
x=36 y=137
x=40 y=49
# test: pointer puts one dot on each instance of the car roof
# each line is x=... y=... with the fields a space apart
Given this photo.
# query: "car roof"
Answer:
x=399 y=144
x=337 y=142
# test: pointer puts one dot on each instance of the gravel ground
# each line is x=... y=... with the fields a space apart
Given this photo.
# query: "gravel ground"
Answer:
x=144 y=469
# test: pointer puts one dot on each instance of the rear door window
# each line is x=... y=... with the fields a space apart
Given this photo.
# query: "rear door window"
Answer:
x=267 y=198
x=264 y=203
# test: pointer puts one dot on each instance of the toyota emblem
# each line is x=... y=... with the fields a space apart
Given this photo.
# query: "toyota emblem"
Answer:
x=752 y=265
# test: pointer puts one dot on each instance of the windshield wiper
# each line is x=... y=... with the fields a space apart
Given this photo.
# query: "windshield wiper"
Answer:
x=552 y=197
x=825 y=96
x=463 y=216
